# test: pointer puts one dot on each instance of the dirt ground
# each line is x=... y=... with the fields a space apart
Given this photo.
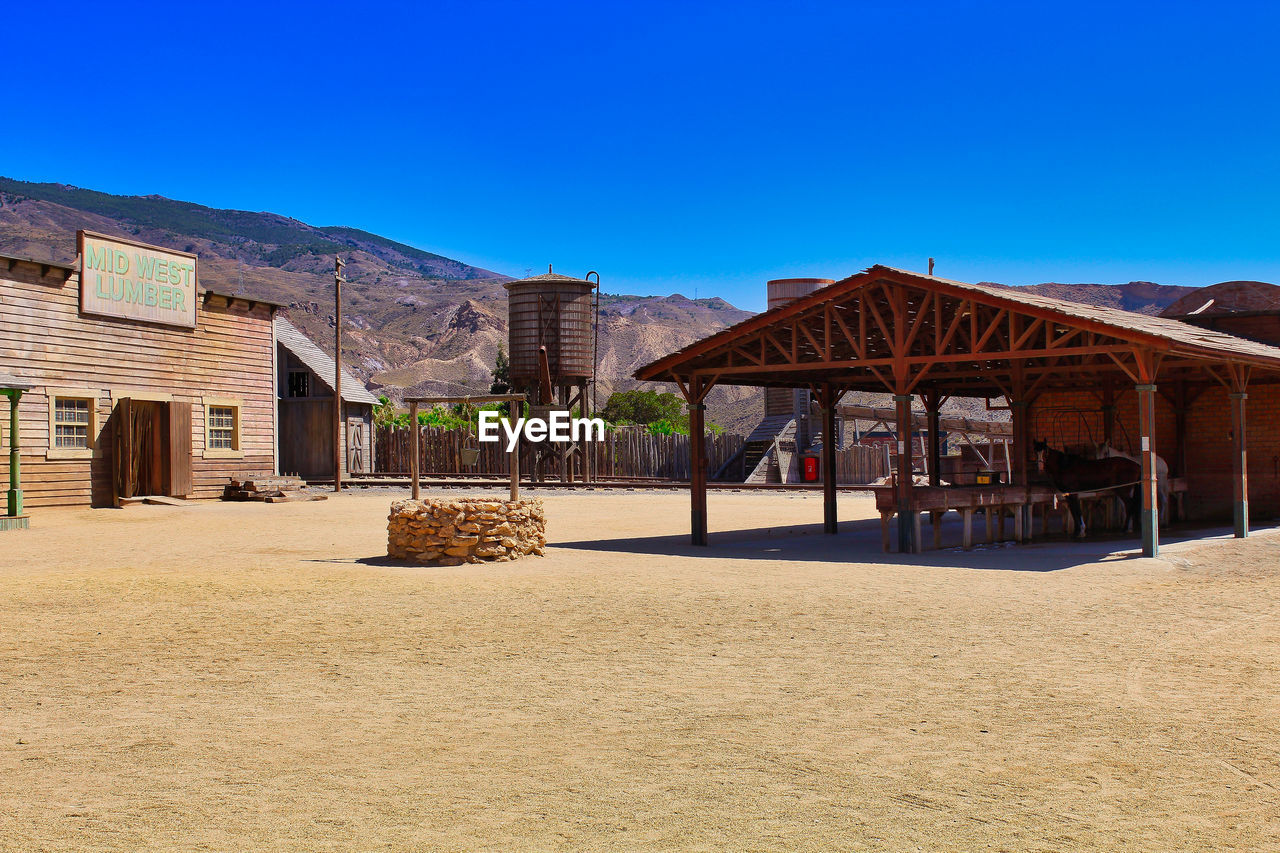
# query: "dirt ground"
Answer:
x=236 y=676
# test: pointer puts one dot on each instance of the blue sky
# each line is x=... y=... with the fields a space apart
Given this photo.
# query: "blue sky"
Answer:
x=681 y=147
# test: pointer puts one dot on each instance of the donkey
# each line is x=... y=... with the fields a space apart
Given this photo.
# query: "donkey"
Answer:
x=1074 y=474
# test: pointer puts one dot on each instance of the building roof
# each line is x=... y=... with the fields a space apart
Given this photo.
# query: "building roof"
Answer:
x=12 y=259
x=1121 y=323
x=320 y=363
x=1228 y=297
x=787 y=342
x=241 y=296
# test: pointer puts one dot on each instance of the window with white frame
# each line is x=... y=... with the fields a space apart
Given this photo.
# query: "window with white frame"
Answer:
x=73 y=423
x=224 y=433
x=71 y=420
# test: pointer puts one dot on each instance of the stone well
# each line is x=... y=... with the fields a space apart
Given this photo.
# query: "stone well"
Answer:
x=452 y=531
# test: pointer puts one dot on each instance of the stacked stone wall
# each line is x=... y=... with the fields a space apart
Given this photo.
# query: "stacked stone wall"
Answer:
x=452 y=531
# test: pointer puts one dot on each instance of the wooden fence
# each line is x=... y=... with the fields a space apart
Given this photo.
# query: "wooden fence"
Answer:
x=859 y=464
x=625 y=452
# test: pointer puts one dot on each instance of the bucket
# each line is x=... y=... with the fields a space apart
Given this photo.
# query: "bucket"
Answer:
x=470 y=455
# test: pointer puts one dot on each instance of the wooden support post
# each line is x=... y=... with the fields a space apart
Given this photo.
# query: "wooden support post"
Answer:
x=1178 y=465
x=515 y=472
x=585 y=450
x=908 y=542
x=415 y=439
x=697 y=466
x=967 y=540
x=1109 y=414
x=15 y=458
x=933 y=410
x=827 y=398
x=337 y=374
x=1018 y=474
x=1150 y=515
x=1239 y=465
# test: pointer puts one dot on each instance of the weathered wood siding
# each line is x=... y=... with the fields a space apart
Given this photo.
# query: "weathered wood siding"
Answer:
x=306 y=424
x=45 y=340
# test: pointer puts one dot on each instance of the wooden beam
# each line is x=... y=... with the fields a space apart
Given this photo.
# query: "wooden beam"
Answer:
x=907 y=543
x=1149 y=516
x=948 y=358
x=829 y=516
x=415 y=433
x=697 y=467
x=1239 y=464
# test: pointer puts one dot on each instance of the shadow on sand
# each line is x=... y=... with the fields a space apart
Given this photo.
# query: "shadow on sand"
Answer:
x=859 y=541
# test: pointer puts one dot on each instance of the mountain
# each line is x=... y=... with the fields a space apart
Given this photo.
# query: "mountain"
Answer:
x=414 y=322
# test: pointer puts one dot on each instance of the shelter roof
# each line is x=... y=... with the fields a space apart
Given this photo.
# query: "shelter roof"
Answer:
x=855 y=330
x=320 y=362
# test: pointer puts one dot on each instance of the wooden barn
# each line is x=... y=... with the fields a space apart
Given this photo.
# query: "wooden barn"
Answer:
x=141 y=382
x=1180 y=390
x=304 y=380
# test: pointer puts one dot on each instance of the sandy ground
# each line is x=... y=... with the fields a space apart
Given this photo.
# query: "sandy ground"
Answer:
x=234 y=676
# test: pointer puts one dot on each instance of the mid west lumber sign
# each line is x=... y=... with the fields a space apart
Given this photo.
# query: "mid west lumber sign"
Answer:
x=120 y=278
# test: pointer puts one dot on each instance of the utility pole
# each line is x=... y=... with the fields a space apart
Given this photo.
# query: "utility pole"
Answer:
x=337 y=373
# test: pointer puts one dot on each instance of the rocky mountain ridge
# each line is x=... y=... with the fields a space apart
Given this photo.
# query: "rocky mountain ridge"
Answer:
x=414 y=322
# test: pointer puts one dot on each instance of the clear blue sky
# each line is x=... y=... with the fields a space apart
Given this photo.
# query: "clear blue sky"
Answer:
x=682 y=146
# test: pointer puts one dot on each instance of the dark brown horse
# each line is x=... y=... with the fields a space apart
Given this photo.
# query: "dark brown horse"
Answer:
x=1072 y=474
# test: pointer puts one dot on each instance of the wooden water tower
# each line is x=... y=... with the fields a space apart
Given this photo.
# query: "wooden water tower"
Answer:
x=552 y=343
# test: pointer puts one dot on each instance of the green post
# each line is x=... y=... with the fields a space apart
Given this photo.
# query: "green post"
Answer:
x=15 y=465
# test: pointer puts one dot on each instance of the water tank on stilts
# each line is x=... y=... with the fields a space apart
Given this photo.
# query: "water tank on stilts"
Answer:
x=553 y=346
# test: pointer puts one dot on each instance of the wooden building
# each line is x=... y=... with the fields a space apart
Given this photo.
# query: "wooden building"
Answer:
x=304 y=380
x=143 y=383
x=1205 y=398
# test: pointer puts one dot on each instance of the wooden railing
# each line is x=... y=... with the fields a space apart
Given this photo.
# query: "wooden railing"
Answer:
x=625 y=452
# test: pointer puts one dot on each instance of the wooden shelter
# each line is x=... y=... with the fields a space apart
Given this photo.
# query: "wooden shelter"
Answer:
x=890 y=330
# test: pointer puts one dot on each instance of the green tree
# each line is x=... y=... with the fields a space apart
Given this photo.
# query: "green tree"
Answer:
x=646 y=407
x=501 y=374
x=384 y=414
x=502 y=380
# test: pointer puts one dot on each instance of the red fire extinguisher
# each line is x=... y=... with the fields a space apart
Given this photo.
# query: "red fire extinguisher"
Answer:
x=810 y=469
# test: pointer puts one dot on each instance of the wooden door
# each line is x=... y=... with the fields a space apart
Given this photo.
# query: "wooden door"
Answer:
x=139 y=439
x=178 y=456
x=149 y=440
x=122 y=464
x=306 y=437
x=357 y=446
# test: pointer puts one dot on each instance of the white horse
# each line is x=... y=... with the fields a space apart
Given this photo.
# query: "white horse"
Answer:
x=1164 y=488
